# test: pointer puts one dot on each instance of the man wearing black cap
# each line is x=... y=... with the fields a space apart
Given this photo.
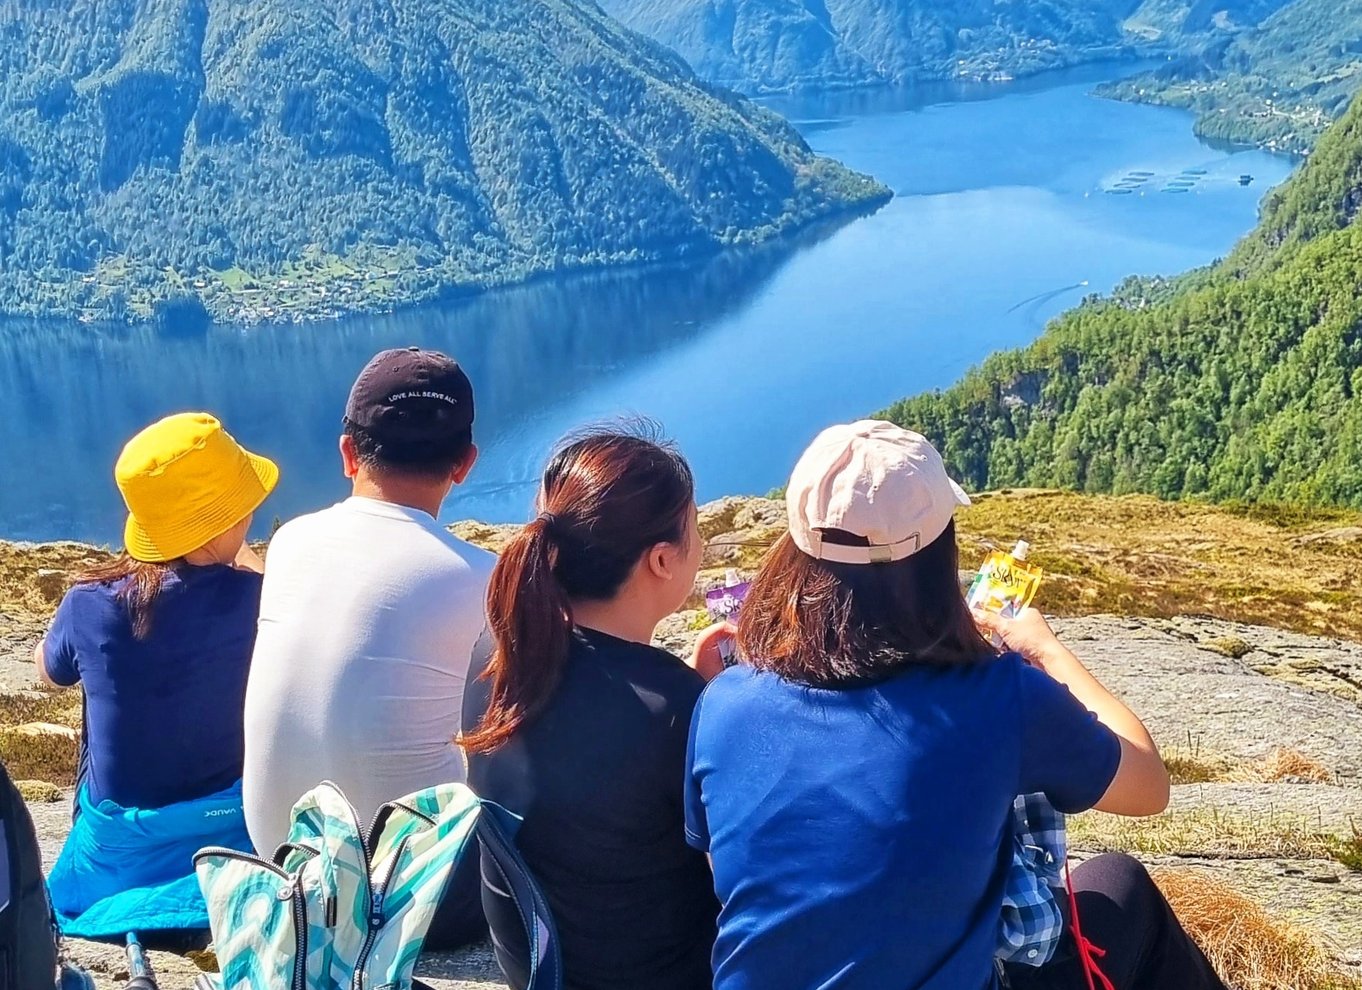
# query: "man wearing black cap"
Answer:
x=370 y=616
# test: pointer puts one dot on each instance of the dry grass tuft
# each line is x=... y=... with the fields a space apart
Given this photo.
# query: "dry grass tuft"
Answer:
x=205 y=959
x=1347 y=849
x=1282 y=766
x=33 y=577
x=1234 y=647
x=1193 y=768
x=46 y=758
x=38 y=791
x=41 y=704
x=1285 y=765
x=1249 y=948
x=1210 y=833
x=489 y=537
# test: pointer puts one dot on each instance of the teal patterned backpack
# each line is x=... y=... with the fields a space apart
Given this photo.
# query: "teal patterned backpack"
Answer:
x=341 y=908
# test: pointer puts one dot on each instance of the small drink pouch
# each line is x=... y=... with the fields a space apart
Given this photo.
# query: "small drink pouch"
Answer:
x=723 y=605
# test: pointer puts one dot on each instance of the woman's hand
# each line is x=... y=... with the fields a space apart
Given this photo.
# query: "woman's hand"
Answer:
x=1141 y=784
x=705 y=658
x=1028 y=634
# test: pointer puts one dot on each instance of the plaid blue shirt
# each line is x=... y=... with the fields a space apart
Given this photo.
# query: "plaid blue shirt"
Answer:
x=1032 y=922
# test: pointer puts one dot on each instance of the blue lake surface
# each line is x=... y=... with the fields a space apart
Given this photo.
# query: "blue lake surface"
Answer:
x=1012 y=203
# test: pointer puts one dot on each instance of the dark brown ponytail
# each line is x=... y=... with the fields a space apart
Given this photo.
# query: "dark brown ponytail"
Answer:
x=608 y=498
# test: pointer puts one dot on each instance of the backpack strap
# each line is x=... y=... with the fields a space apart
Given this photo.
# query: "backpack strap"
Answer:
x=28 y=927
x=508 y=886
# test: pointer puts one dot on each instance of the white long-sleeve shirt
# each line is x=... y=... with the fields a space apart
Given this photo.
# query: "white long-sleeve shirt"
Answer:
x=369 y=616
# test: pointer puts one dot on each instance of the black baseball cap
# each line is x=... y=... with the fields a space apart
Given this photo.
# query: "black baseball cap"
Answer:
x=412 y=398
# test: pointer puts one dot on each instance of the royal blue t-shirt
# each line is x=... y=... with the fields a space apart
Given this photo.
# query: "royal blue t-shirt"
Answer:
x=858 y=835
x=163 y=715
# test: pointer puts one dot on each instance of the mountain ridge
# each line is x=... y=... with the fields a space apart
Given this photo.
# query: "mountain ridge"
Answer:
x=1269 y=72
x=770 y=46
x=286 y=160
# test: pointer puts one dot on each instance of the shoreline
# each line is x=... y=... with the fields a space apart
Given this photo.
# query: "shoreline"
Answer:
x=191 y=311
x=1124 y=56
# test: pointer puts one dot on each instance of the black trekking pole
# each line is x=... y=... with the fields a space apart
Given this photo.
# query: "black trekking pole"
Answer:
x=139 y=970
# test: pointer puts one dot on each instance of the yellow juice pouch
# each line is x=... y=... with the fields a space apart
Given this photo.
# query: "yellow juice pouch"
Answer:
x=1006 y=583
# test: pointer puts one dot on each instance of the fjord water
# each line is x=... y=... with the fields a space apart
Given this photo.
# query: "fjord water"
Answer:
x=1012 y=203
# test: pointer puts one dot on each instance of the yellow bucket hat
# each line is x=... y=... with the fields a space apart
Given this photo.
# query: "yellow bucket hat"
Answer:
x=186 y=481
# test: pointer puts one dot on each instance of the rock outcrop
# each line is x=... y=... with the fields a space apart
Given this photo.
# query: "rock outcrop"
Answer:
x=1260 y=725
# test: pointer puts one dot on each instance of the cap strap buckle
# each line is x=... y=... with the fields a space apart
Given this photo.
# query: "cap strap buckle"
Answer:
x=872 y=554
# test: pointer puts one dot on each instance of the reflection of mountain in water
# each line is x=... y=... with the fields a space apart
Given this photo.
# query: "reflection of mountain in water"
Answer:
x=836 y=104
x=71 y=394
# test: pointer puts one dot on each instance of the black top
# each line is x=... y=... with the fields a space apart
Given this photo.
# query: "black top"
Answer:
x=598 y=779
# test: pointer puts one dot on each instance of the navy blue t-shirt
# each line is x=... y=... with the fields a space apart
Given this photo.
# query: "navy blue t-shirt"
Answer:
x=163 y=715
x=858 y=835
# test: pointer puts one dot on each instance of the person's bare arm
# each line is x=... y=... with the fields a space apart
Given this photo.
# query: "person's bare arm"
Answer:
x=705 y=658
x=40 y=661
x=1141 y=785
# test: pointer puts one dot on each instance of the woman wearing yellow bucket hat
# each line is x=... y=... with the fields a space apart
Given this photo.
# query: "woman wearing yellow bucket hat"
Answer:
x=160 y=639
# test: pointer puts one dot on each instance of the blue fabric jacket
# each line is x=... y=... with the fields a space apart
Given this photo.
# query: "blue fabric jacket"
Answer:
x=129 y=870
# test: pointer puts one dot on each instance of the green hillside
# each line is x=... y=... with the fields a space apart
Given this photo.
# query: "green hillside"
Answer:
x=291 y=158
x=1263 y=71
x=1244 y=382
x=1269 y=72
x=1209 y=21
x=761 y=46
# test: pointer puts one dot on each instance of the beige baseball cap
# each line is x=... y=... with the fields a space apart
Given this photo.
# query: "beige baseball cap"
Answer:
x=872 y=479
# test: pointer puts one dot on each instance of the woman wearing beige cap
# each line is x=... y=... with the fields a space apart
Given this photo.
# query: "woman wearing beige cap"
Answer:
x=160 y=641
x=853 y=781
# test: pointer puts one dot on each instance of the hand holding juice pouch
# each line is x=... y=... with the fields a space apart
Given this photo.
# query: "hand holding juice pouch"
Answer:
x=723 y=605
x=1006 y=583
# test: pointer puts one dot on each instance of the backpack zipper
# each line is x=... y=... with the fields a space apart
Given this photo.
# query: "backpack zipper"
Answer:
x=296 y=896
x=370 y=836
x=377 y=896
x=285 y=848
x=376 y=918
x=300 y=924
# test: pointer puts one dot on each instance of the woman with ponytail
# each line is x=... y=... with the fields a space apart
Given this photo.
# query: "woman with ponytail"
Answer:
x=579 y=726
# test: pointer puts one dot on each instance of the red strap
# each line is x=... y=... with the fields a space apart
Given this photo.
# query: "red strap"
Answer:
x=1088 y=954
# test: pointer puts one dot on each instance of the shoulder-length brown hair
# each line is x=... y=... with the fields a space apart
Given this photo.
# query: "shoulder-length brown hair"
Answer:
x=842 y=625
x=609 y=496
x=139 y=584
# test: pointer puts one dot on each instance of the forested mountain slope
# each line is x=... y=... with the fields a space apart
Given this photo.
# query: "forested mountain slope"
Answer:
x=1245 y=383
x=1211 y=21
x=1264 y=71
x=761 y=46
x=287 y=158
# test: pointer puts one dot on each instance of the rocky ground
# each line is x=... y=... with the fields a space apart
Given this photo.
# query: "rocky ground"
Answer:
x=1261 y=724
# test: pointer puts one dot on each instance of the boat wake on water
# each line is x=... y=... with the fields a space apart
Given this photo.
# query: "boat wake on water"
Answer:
x=1045 y=297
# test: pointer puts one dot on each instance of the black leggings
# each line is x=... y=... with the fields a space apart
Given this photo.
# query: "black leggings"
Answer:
x=1122 y=912
x=459 y=919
